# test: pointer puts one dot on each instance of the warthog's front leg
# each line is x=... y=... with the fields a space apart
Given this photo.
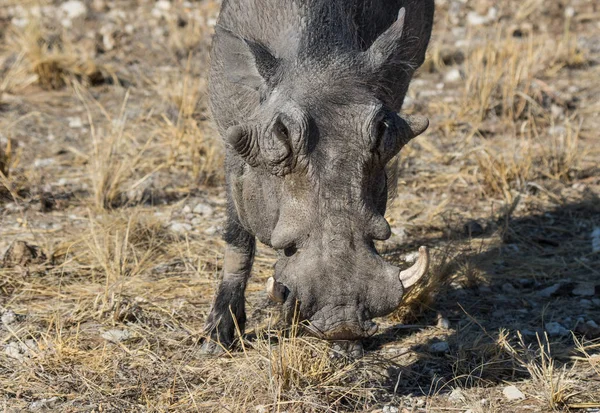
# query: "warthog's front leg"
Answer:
x=228 y=311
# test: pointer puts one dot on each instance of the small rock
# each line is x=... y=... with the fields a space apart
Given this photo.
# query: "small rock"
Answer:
x=592 y=324
x=43 y=404
x=508 y=288
x=555 y=329
x=73 y=8
x=75 y=123
x=186 y=209
x=512 y=393
x=211 y=230
x=164 y=5
x=204 y=210
x=452 y=76
x=390 y=409
x=439 y=347
x=116 y=336
x=13 y=350
x=180 y=227
x=9 y=317
x=442 y=322
x=549 y=291
x=596 y=239
x=456 y=395
x=584 y=290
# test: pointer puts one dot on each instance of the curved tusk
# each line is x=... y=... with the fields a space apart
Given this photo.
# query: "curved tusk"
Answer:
x=411 y=275
x=275 y=290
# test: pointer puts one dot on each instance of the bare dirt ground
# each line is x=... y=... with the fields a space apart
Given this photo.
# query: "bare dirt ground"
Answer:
x=111 y=204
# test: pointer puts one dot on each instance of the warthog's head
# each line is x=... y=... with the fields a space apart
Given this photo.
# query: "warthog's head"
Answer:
x=314 y=185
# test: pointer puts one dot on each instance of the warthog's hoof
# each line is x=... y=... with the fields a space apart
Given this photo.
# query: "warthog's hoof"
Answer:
x=212 y=347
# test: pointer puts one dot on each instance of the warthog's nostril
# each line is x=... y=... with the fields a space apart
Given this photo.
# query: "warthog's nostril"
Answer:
x=290 y=251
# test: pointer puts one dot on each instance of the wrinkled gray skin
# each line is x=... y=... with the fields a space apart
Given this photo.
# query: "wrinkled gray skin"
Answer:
x=306 y=95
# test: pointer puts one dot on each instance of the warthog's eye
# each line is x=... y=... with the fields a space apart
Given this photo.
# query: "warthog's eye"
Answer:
x=380 y=130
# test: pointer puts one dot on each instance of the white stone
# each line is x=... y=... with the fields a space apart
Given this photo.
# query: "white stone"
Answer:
x=73 y=8
x=555 y=329
x=9 y=317
x=116 y=336
x=584 y=290
x=456 y=395
x=40 y=163
x=43 y=404
x=180 y=227
x=452 y=76
x=163 y=5
x=440 y=347
x=390 y=409
x=211 y=230
x=512 y=393
x=186 y=209
x=548 y=291
x=204 y=210
x=75 y=122
x=13 y=350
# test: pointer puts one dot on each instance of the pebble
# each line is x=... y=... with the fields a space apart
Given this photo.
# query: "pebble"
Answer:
x=43 y=404
x=204 y=210
x=186 y=209
x=390 y=409
x=116 y=336
x=476 y=19
x=439 y=347
x=508 y=288
x=512 y=393
x=596 y=239
x=452 y=76
x=549 y=291
x=456 y=395
x=211 y=230
x=442 y=322
x=180 y=227
x=75 y=123
x=555 y=329
x=584 y=290
x=8 y=317
x=73 y=9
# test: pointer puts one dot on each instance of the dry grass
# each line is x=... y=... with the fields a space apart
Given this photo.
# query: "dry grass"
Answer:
x=552 y=383
x=503 y=189
x=54 y=59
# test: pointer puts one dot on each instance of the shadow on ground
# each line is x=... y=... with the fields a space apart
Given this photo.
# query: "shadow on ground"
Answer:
x=534 y=274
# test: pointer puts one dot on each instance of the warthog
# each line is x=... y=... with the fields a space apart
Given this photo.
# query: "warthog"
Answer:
x=306 y=95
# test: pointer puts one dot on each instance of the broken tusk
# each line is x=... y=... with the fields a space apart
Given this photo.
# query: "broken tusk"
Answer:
x=275 y=290
x=411 y=275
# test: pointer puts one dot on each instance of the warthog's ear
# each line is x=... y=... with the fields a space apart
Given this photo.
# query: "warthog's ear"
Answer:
x=245 y=62
x=406 y=40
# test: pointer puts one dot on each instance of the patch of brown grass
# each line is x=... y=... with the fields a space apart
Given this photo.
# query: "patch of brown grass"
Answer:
x=54 y=59
x=553 y=384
